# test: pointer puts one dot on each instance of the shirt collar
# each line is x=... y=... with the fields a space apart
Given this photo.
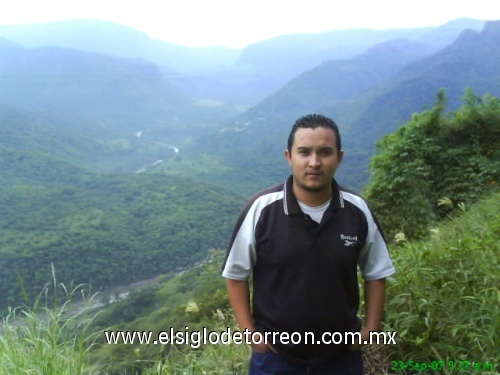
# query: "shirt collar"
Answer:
x=291 y=205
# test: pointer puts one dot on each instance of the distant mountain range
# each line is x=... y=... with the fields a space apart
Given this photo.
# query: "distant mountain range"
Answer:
x=369 y=95
x=239 y=77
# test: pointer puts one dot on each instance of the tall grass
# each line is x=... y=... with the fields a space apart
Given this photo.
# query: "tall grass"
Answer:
x=48 y=338
x=444 y=301
x=211 y=359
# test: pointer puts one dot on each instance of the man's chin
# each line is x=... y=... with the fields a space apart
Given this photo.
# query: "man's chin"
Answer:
x=313 y=188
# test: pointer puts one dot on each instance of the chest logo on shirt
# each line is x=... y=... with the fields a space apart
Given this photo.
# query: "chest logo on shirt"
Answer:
x=349 y=241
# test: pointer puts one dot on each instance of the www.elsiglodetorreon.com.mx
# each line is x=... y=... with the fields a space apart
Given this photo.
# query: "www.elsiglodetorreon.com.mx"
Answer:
x=205 y=336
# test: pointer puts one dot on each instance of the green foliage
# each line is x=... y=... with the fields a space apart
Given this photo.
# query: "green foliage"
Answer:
x=444 y=300
x=105 y=230
x=195 y=298
x=435 y=156
x=217 y=359
x=48 y=339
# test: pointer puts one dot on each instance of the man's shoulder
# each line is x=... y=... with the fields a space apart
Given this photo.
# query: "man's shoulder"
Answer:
x=266 y=196
x=258 y=203
x=355 y=199
x=270 y=190
x=358 y=201
x=351 y=195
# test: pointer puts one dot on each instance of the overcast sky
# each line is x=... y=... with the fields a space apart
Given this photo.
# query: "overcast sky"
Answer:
x=236 y=23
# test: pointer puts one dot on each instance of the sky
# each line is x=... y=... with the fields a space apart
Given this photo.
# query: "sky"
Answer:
x=237 y=23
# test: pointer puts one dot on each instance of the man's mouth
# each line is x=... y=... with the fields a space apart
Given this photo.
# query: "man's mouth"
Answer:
x=313 y=173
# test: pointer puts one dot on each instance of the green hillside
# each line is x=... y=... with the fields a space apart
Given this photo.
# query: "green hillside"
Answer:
x=40 y=132
x=101 y=229
x=443 y=303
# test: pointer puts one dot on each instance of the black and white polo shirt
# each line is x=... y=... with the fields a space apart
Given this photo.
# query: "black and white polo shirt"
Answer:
x=305 y=272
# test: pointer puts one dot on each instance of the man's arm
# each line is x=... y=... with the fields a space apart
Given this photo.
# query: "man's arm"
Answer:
x=374 y=295
x=239 y=297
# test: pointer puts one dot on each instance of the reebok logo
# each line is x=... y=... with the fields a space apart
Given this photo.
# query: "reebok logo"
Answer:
x=349 y=241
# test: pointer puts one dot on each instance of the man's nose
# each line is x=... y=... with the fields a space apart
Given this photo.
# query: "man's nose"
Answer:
x=314 y=160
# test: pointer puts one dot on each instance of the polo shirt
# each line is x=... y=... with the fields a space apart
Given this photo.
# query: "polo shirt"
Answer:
x=304 y=272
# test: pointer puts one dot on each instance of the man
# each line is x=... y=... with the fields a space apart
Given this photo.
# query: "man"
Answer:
x=302 y=242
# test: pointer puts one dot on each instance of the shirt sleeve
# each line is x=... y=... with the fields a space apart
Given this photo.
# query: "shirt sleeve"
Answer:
x=241 y=255
x=375 y=261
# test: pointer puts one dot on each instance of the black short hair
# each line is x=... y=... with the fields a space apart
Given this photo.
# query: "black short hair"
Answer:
x=314 y=121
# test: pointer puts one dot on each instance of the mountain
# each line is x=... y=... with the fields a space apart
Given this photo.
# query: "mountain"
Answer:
x=66 y=117
x=266 y=66
x=369 y=96
x=125 y=103
x=73 y=83
x=237 y=77
x=470 y=62
x=118 y=40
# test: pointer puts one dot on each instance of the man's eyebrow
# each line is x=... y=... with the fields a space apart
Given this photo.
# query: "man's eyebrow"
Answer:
x=304 y=149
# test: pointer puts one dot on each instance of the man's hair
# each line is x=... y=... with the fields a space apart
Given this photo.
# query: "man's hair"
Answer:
x=314 y=121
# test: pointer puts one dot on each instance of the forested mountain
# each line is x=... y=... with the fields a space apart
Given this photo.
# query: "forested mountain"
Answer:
x=103 y=230
x=102 y=93
x=369 y=96
x=129 y=110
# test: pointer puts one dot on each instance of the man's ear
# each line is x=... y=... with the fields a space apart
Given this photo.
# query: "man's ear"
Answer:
x=341 y=156
x=288 y=157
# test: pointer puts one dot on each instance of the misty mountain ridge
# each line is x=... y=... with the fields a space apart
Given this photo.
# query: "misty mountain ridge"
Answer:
x=240 y=77
x=100 y=94
x=368 y=96
x=118 y=40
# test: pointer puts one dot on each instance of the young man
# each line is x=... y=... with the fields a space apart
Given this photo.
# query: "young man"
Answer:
x=302 y=242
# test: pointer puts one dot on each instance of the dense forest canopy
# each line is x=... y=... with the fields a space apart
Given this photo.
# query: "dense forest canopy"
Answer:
x=436 y=161
x=106 y=230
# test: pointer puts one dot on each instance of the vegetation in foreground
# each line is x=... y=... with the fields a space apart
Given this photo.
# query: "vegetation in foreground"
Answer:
x=48 y=338
x=435 y=155
x=443 y=303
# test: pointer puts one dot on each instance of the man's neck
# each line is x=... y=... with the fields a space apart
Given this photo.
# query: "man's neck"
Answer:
x=312 y=198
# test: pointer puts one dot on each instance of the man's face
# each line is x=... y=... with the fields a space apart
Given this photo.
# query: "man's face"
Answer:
x=314 y=158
